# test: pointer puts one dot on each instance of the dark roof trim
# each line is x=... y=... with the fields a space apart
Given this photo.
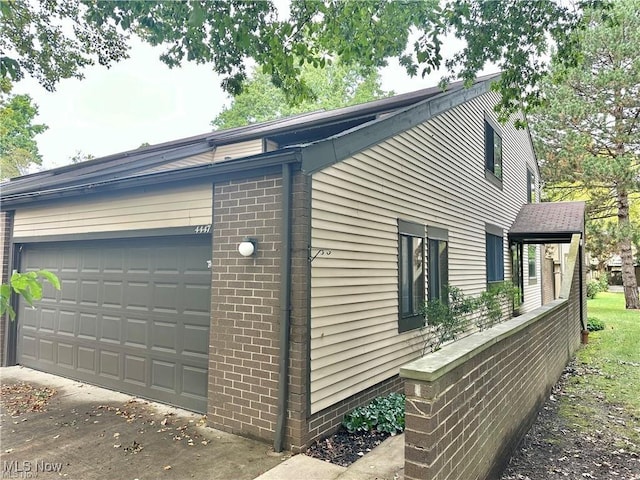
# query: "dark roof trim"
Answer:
x=209 y=172
x=99 y=172
x=324 y=153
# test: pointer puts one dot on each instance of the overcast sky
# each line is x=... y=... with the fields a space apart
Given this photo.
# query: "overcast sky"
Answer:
x=140 y=100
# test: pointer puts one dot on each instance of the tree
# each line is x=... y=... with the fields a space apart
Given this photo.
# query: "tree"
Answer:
x=588 y=132
x=334 y=86
x=54 y=40
x=80 y=156
x=18 y=147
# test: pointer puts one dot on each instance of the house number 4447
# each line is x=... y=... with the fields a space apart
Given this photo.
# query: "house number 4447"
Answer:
x=202 y=229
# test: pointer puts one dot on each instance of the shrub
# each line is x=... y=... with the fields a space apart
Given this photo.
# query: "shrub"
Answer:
x=604 y=282
x=384 y=414
x=594 y=324
x=593 y=288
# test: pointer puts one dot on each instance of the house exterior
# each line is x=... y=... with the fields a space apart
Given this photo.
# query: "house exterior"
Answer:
x=356 y=216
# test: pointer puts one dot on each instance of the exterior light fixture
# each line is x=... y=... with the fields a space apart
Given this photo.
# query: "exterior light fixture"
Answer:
x=247 y=247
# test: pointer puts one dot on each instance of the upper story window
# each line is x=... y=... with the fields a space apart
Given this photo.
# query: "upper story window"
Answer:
x=492 y=150
x=494 y=254
x=531 y=259
x=411 y=268
x=531 y=187
x=438 y=263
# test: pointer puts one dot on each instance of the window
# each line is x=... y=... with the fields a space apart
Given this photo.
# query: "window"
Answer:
x=494 y=254
x=438 y=267
x=531 y=256
x=531 y=186
x=411 y=275
x=492 y=150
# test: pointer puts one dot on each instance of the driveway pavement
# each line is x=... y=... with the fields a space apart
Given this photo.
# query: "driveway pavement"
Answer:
x=86 y=432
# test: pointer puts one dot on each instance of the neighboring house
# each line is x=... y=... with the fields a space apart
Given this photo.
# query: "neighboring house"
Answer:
x=356 y=216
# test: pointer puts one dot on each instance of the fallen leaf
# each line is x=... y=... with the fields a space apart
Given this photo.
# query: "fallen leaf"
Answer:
x=167 y=467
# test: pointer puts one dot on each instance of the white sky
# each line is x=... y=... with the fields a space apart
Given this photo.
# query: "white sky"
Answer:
x=140 y=100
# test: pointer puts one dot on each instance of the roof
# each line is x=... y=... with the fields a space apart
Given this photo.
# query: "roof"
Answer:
x=548 y=222
x=314 y=140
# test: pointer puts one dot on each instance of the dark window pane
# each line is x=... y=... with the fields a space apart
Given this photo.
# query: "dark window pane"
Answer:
x=418 y=274
x=405 y=274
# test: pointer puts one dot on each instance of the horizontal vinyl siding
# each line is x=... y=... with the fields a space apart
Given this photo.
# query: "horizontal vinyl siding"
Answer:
x=238 y=150
x=142 y=209
x=432 y=174
x=532 y=287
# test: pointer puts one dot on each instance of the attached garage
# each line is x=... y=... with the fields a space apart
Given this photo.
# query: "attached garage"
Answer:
x=132 y=315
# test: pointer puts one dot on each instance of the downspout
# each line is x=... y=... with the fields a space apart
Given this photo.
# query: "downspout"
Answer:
x=285 y=309
x=581 y=290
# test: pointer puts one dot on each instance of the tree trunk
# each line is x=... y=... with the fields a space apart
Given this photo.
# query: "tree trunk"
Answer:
x=628 y=271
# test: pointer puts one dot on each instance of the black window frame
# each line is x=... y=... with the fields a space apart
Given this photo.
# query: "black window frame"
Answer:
x=493 y=153
x=531 y=263
x=494 y=254
x=410 y=233
x=437 y=264
x=530 y=186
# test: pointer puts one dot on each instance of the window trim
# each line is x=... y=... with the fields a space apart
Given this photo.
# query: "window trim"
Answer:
x=412 y=230
x=533 y=279
x=497 y=232
x=491 y=130
x=530 y=185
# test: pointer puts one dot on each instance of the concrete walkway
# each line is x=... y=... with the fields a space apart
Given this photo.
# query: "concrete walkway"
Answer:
x=90 y=432
x=385 y=462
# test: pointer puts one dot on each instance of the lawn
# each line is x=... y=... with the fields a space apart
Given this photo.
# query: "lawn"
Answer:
x=610 y=369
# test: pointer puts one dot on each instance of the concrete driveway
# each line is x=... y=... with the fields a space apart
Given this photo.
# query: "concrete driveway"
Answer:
x=87 y=432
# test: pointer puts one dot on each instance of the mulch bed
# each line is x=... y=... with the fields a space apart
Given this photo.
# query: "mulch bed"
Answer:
x=344 y=448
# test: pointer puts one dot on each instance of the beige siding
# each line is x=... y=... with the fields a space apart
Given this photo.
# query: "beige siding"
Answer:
x=142 y=209
x=238 y=150
x=432 y=174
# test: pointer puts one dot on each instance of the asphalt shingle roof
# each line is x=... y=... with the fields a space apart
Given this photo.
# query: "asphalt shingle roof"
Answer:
x=550 y=221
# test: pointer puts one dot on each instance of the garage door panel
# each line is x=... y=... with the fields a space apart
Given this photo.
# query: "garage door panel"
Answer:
x=132 y=315
x=163 y=375
x=66 y=323
x=109 y=365
x=194 y=381
x=86 y=359
x=110 y=332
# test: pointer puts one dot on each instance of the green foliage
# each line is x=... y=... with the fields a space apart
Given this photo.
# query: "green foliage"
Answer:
x=511 y=35
x=384 y=414
x=18 y=147
x=336 y=85
x=52 y=40
x=594 y=324
x=448 y=320
x=596 y=286
x=28 y=285
x=587 y=131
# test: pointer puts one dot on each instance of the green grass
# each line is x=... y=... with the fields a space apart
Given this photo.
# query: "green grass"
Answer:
x=611 y=361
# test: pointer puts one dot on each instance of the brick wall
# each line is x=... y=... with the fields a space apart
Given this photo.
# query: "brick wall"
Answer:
x=6 y=223
x=469 y=404
x=244 y=348
x=245 y=309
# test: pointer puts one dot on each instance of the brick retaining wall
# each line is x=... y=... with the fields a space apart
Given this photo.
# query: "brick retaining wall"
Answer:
x=470 y=403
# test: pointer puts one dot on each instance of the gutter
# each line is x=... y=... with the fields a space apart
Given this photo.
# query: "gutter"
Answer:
x=285 y=308
x=199 y=172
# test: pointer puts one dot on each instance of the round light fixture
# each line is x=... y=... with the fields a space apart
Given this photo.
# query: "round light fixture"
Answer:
x=247 y=247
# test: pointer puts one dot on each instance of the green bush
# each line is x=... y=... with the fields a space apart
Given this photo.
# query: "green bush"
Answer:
x=594 y=324
x=593 y=288
x=384 y=414
x=604 y=282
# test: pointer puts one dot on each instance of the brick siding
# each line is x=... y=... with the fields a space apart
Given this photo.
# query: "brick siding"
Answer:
x=466 y=422
x=6 y=225
x=245 y=309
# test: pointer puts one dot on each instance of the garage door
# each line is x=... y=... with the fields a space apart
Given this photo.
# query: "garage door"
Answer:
x=132 y=315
